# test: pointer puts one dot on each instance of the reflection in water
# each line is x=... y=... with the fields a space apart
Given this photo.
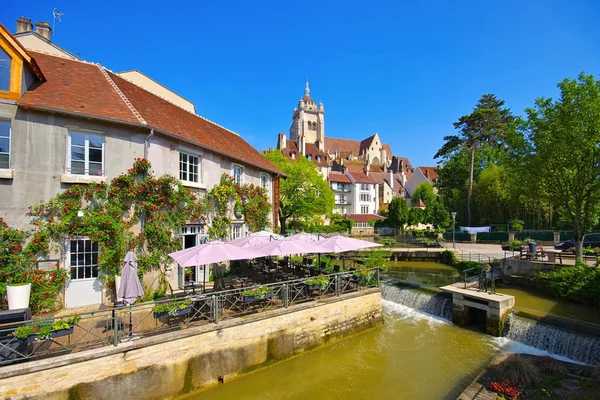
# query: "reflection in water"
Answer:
x=413 y=356
x=425 y=273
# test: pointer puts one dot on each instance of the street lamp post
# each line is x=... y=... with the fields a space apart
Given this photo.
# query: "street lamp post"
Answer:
x=453 y=229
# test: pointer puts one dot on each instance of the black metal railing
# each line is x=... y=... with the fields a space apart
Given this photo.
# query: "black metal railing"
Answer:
x=116 y=325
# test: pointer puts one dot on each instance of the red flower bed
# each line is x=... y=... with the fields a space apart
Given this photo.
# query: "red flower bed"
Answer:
x=508 y=388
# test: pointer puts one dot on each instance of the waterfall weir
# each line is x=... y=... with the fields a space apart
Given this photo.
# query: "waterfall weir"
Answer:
x=543 y=336
x=576 y=346
x=439 y=305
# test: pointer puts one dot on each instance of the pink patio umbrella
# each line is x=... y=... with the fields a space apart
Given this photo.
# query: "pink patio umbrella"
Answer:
x=251 y=241
x=286 y=247
x=306 y=237
x=340 y=244
x=268 y=234
x=212 y=252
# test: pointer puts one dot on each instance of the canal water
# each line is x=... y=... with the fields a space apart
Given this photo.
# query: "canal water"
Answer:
x=416 y=354
x=412 y=356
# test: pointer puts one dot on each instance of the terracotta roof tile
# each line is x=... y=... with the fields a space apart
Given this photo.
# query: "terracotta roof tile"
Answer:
x=362 y=177
x=364 y=217
x=388 y=150
x=338 y=177
x=81 y=88
x=291 y=146
x=346 y=146
x=77 y=87
x=431 y=173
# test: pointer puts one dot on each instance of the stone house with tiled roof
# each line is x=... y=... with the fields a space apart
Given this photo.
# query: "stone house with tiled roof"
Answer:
x=423 y=174
x=64 y=121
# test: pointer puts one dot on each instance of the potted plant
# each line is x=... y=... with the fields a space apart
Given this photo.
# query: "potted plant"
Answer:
x=43 y=331
x=316 y=283
x=257 y=293
x=238 y=210
x=174 y=308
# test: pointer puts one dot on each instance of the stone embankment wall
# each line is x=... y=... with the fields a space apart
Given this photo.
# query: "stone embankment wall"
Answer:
x=176 y=363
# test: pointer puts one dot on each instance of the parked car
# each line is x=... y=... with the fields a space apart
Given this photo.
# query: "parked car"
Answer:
x=590 y=240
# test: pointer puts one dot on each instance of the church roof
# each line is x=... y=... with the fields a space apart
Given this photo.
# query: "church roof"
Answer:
x=366 y=143
x=345 y=146
x=388 y=149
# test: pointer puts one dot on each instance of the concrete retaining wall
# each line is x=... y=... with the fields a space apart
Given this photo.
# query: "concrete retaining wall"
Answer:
x=179 y=362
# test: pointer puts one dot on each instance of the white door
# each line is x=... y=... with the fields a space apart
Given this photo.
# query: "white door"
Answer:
x=84 y=287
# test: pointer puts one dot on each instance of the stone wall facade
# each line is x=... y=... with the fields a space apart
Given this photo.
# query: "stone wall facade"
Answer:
x=178 y=362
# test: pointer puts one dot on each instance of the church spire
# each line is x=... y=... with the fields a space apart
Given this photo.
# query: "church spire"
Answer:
x=307 y=92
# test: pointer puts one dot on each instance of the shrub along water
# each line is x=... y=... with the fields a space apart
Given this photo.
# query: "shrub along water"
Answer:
x=579 y=282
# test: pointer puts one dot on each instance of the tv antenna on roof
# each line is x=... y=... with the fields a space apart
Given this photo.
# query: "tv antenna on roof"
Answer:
x=56 y=14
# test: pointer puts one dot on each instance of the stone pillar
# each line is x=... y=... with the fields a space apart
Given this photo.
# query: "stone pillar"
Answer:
x=556 y=237
x=459 y=312
x=473 y=238
x=511 y=237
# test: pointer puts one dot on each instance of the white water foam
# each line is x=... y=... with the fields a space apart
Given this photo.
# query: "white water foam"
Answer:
x=406 y=313
x=510 y=346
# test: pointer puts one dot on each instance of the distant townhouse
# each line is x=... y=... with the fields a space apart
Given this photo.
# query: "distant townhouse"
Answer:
x=64 y=121
x=423 y=174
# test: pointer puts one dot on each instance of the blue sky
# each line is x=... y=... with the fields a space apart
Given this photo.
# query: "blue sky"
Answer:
x=403 y=69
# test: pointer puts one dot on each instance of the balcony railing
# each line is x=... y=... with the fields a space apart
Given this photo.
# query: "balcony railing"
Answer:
x=337 y=189
x=111 y=326
x=342 y=201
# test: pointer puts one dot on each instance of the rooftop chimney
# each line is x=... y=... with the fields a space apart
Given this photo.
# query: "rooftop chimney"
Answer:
x=24 y=25
x=391 y=179
x=43 y=29
x=282 y=144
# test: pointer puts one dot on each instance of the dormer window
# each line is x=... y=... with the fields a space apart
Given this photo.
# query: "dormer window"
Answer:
x=5 y=63
x=309 y=157
x=293 y=156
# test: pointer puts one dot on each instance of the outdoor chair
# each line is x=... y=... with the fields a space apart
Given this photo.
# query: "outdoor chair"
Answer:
x=336 y=269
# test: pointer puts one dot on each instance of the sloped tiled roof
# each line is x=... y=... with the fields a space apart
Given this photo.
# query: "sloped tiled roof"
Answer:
x=384 y=177
x=291 y=146
x=84 y=89
x=364 y=217
x=361 y=177
x=388 y=150
x=366 y=143
x=431 y=173
x=345 y=146
x=338 y=177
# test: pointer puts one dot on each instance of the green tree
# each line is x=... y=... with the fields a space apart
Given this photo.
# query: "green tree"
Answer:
x=423 y=192
x=398 y=213
x=304 y=193
x=564 y=152
x=486 y=126
x=416 y=216
x=437 y=215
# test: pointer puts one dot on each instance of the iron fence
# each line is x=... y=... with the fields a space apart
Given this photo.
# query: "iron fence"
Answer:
x=116 y=325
